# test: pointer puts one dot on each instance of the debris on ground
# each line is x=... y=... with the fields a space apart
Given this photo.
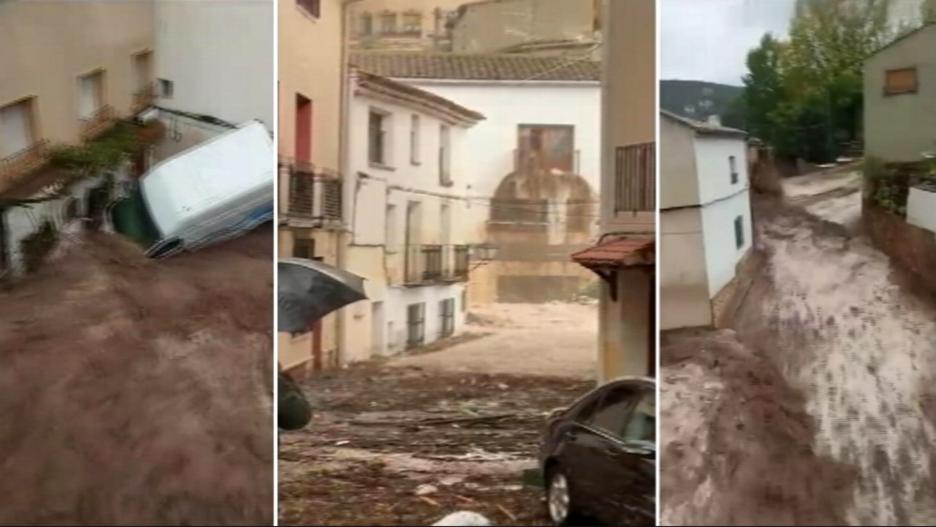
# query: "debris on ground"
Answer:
x=395 y=452
x=464 y=518
x=139 y=391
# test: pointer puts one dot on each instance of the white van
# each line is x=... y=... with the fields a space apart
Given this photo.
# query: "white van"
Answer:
x=216 y=190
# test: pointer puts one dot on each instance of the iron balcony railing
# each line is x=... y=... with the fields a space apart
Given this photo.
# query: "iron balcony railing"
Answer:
x=432 y=263
x=313 y=193
x=16 y=165
x=97 y=123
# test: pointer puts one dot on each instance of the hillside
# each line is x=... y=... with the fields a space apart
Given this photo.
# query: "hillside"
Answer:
x=700 y=99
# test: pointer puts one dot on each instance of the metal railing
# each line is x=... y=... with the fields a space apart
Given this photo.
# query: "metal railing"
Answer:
x=97 y=123
x=313 y=193
x=21 y=163
x=431 y=263
x=634 y=178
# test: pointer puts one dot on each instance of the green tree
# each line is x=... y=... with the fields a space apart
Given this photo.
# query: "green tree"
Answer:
x=763 y=88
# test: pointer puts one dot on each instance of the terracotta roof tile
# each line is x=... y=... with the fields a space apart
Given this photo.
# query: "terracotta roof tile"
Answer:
x=618 y=252
x=506 y=67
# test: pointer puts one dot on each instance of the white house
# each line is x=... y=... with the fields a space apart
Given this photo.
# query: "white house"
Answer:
x=212 y=66
x=532 y=167
x=408 y=200
x=705 y=216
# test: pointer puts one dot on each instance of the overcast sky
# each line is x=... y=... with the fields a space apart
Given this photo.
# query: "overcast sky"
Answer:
x=709 y=39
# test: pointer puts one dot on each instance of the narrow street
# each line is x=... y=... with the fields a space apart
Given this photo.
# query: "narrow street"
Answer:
x=834 y=354
x=408 y=440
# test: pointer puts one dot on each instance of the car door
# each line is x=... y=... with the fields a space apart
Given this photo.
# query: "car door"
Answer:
x=631 y=460
x=573 y=453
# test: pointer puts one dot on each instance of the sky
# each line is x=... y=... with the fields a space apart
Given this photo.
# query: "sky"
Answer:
x=709 y=39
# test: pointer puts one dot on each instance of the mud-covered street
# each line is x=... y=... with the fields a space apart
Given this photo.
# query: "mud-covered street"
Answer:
x=138 y=391
x=844 y=335
x=410 y=440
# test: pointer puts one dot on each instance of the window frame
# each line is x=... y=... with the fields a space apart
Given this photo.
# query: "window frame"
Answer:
x=892 y=92
x=445 y=155
x=733 y=166
x=385 y=139
x=29 y=108
x=415 y=125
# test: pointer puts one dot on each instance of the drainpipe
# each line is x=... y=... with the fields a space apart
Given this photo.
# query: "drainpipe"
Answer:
x=344 y=162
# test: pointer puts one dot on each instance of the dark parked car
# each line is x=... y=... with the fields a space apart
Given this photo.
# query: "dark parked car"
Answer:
x=598 y=456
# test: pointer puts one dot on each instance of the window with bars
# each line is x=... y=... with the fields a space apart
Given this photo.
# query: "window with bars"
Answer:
x=415 y=325
x=634 y=183
x=412 y=23
x=447 y=316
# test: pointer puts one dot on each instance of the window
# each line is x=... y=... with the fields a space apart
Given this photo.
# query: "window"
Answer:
x=546 y=147
x=390 y=238
x=90 y=94
x=900 y=81
x=388 y=23
x=366 y=27
x=415 y=325
x=732 y=165
x=16 y=127
x=614 y=411
x=166 y=88
x=464 y=300
x=143 y=72
x=739 y=232
x=304 y=248
x=447 y=316
x=303 y=134
x=313 y=7
x=412 y=23
x=634 y=183
x=414 y=139
x=445 y=172
x=641 y=427
x=377 y=147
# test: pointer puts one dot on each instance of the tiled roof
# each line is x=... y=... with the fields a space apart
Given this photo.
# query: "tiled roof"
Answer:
x=461 y=66
x=703 y=127
x=618 y=252
x=369 y=80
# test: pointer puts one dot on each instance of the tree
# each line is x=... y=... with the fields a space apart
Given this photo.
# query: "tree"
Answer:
x=763 y=87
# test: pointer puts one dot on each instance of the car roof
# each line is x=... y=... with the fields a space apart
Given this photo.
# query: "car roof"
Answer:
x=643 y=382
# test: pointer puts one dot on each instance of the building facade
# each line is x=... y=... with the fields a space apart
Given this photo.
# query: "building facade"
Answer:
x=68 y=73
x=705 y=215
x=310 y=146
x=408 y=211
x=403 y=25
x=624 y=257
x=201 y=91
x=900 y=98
x=533 y=165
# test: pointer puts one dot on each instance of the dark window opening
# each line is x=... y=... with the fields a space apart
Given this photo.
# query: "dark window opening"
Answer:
x=304 y=248
x=447 y=315
x=739 y=231
x=313 y=7
x=415 y=325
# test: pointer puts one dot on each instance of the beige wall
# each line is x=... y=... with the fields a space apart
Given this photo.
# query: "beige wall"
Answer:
x=310 y=63
x=625 y=325
x=628 y=98
x=680 y=185
x=46 y=46
x=490 y=26
x=901 y=127
x=376 y=7
x=684 y=288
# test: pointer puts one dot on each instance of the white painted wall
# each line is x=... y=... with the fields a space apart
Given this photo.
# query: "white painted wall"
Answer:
x=721 y=252
x=398 y=298
x=489 y=146
x=219 y=55
x=921 y=208
x=712 y=155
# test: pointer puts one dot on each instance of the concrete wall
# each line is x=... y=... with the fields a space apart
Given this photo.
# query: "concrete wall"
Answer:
x=901 y=127
x=626 y=325
x=678 y=171
x=491 y=26
x=629 y=99
x=712 y=155
x=684 y=287
x=721 y=252
x=46 y=46
x=921 y=208
x=218 y=57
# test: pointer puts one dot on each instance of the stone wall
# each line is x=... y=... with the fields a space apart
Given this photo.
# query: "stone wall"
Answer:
x=913 y=248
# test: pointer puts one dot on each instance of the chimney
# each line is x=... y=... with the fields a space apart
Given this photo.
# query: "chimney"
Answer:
x=714 y=120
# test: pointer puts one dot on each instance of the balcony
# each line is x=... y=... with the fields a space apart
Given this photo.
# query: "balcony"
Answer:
x=314 y=194
x=97 y=123
x=634 y=178
x=431 y=264
x=17 y=165
x=144 y=98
